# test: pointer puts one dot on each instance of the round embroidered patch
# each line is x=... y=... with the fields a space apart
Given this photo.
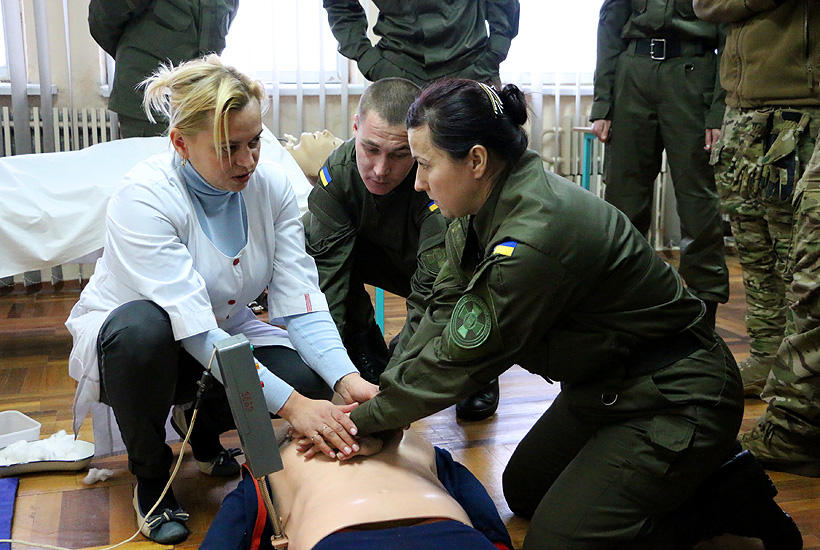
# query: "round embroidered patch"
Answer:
x=470 y=324
x=433 y=259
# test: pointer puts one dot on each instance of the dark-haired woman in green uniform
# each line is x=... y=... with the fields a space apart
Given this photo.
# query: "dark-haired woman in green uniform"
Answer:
x=638 y=448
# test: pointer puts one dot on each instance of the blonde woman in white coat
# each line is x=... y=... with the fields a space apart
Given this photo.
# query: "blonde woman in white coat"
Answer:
x=192 y=236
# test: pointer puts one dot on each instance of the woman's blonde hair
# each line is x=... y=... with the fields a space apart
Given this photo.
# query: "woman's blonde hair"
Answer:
x=188 y=94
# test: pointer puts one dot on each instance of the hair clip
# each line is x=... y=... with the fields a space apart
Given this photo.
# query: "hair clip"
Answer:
x=495 y=101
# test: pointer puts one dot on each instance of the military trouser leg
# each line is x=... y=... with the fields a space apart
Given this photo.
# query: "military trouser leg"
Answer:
x=372 y=267
x=634 y=150
x=793 y=388
x=761 y=228
x=648 y=118
x=682 y=116
x=763 y=267
x=592 y=476
x=137 y=127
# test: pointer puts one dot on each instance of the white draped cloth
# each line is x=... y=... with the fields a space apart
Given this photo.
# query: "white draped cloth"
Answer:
x=52 y=205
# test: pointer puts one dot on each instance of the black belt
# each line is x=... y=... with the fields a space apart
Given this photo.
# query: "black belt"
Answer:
x=667 y=48
x=656 y=354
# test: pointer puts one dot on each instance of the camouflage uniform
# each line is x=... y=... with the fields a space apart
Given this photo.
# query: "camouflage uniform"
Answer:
x=793 y=387
x=756 y=190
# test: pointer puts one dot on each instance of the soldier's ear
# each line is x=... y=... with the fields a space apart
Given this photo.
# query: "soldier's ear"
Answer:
x=478 y=159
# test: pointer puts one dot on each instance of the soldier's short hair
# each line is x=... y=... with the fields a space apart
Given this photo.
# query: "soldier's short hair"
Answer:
x=390 y=98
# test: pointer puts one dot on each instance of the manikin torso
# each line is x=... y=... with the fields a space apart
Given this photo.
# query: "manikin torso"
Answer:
x=397 y=486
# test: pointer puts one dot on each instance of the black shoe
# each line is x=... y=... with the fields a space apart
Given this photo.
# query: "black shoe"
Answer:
x=369 y=353
x=482 y=404
x=164 y=527
x=745 y=506
x=224 y=464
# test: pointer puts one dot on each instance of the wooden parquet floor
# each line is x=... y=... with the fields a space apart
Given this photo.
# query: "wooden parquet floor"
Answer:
x=59 y=509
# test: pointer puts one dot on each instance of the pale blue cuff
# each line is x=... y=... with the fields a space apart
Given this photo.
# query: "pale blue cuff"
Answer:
x=316 y=338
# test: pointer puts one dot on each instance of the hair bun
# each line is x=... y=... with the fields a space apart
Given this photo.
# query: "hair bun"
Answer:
x=515 y=103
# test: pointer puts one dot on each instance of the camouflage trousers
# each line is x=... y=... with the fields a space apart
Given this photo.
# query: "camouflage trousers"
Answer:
x=793 y=387
x=760 y=155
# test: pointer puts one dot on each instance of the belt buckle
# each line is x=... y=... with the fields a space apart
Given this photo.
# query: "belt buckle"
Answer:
x=652 y=44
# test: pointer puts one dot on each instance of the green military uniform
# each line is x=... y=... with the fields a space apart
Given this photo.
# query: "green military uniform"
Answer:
x=423 y=40
x=141 y=34
x=551 y=278
x=656 y=80
x=393 y=241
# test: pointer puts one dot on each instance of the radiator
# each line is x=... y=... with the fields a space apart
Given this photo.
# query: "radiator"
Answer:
x=74 y=129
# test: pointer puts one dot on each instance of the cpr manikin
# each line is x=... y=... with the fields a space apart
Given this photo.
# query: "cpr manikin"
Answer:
x=311 y=151
x=397 y=486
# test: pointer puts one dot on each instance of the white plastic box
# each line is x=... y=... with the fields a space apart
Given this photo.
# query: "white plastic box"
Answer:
x=15 y=426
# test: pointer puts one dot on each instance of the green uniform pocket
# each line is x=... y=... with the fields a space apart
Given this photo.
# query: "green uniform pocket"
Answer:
x=667 y=437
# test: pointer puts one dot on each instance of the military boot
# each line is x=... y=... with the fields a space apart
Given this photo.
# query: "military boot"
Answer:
x=369 y=353
x=783 y=451
x=480 y=405
x=738 y=499
x=754 y=371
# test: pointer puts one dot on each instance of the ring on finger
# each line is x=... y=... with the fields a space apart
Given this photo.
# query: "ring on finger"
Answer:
x=314 y=436
x=325 y=427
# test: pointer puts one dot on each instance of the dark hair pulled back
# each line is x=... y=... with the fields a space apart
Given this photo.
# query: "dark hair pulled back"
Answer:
x=462 y=113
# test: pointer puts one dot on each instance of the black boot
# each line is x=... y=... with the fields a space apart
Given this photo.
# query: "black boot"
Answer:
x=738 y=499
x=480 y=405
x=369 y=353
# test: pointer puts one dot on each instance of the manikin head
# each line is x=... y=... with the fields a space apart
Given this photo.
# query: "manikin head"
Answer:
x=311 y=151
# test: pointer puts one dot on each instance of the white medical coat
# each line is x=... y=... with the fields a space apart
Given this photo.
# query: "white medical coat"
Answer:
x=155 y=249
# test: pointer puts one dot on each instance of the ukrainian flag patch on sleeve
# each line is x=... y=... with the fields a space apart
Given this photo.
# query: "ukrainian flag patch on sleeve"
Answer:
x=505 y=248
x=432 y=206
x=324 y=176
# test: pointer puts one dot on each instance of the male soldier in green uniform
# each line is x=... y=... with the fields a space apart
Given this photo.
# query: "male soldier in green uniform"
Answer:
x=425 y=41
x=769 y=69
x=366 y=224
x=656 y=87
x=141 y=34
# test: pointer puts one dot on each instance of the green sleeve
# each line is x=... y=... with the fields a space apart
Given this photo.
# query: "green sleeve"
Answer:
x=430 y=257
x=502 y=17
x=329 y=238
x=714 y=117
x=216 y=19
x=732 y=11
x=348 y=22
x=612 y=19
x=468 y=336
x=107 y=20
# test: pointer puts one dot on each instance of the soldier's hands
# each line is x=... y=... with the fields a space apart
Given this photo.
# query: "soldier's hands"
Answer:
x=712 y=137
x=601 y=129
x=368 y=446
x=355 y=389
